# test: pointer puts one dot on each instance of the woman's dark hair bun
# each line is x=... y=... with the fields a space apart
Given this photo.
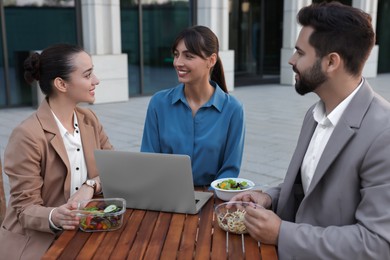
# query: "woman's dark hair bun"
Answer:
x=31 y=68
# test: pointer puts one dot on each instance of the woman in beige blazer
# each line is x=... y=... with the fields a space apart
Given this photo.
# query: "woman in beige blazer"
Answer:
x=49 y=158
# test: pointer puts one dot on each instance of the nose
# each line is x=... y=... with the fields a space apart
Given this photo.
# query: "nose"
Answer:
x=292 y=59
x=177 y=61
x=95 y=80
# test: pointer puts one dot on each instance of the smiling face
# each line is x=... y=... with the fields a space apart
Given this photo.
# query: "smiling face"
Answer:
x=307 y=66
x=82 y=83
x=190 y=68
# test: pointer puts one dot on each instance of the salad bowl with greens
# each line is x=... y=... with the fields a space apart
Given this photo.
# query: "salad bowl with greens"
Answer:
x=101 y=214
x=226 y=188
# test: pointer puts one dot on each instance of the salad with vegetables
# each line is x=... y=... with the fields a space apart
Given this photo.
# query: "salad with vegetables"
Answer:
x=232 y=185
x=100 y=217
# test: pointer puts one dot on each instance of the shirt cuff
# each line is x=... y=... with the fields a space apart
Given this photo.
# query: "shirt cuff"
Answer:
x=51 y=222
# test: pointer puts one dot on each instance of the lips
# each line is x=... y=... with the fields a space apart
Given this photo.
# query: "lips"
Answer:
x=182 y=72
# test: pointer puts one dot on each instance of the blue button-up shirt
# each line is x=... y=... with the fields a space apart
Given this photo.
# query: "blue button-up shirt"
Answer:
x=213 y=138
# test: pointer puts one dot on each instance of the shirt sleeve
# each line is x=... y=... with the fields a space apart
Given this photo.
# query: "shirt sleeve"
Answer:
x=150 y=138
x=234 y=145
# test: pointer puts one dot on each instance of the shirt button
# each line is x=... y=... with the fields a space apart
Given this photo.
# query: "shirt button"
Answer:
x=77 y=168
x=78 y=149
x=77 y=131
x=77 y=188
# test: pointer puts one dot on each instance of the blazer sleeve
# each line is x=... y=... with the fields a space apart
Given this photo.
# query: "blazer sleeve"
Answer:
x=23 y=158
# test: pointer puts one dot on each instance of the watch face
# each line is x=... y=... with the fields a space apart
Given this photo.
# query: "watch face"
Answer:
x=91 y=183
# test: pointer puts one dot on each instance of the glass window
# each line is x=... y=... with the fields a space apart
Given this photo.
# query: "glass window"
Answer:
x=130 y=43
x=346 y=2
x=3 y=93
x=38 y=3
x=255 y=35
x=158 y=36
x=150 y=66
x=383 y=36
x=30 y=27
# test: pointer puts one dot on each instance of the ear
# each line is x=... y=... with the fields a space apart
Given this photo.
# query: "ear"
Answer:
x=60 y=84
x=333 y=62
x=212 y=60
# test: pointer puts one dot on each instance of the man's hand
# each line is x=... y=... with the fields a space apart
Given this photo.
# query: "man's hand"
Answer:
x=263 y=225
x=257 y=197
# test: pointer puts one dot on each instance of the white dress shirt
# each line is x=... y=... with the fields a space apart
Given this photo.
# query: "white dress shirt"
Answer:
x=321 y=135
x=74 y=149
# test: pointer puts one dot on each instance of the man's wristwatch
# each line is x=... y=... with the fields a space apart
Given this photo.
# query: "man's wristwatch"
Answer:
x=91 y=183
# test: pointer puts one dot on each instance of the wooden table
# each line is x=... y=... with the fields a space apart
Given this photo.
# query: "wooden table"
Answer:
x=160 y=235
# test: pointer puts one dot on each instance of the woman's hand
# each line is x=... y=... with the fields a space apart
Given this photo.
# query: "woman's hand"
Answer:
x=64 y=217
x=84 y=193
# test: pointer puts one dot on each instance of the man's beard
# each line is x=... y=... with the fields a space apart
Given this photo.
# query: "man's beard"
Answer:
x=310 y=79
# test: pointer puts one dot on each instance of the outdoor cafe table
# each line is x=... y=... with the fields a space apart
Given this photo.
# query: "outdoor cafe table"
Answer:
x=160 y=235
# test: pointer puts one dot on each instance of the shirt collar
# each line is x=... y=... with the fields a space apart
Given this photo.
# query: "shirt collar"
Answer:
x=333 y=118
x=217 y=99
x=63 y=130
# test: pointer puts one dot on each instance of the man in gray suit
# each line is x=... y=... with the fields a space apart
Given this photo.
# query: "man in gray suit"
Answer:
x=335 y=199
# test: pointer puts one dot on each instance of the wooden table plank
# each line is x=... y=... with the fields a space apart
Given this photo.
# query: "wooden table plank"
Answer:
x=160 y=232
x=76 y=244
x=268 y=252
x=252 y=248
x=138 y=249
x=219 y=242
x=59 y=246
x=219 y=250
x=172 y=241
x=203 y=243
x=111 y=239
x=235 y=248
x=187 y=245
x=93 y=242
x=128 y=235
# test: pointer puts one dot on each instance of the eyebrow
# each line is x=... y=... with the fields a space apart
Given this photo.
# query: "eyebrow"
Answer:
x=185 y=51
x=88 y=70
x=299 y=49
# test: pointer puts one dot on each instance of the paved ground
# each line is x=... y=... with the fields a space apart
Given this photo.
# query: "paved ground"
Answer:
x=273 y=113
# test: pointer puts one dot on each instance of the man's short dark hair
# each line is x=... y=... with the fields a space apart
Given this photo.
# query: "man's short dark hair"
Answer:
x=342 y=29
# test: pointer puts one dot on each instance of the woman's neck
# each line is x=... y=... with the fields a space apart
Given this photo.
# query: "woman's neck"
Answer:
x=197 y=95
x=64 y=112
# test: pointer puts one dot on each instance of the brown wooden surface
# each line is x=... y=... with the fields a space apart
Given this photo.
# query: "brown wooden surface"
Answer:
x=161 y=235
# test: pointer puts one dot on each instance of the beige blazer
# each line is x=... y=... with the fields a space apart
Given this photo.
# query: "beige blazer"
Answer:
x=37 y=165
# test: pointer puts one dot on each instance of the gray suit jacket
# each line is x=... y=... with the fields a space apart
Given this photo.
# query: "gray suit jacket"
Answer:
x=345 y=213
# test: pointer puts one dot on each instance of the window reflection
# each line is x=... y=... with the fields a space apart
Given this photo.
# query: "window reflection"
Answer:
x=39 y=3
x=150 y=63
x=27 y=30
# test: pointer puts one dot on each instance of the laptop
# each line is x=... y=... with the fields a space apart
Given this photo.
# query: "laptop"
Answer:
x=150 y=181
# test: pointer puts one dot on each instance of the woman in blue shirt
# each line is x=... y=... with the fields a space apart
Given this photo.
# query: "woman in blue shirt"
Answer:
x=198 y=117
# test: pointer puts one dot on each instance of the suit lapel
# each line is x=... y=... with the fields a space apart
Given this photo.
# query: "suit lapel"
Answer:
x=349 y=122
x=87 y=139
x=53 y=135
x=307 y=131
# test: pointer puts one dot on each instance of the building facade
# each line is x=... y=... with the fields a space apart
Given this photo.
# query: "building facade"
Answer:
x=130 y=40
